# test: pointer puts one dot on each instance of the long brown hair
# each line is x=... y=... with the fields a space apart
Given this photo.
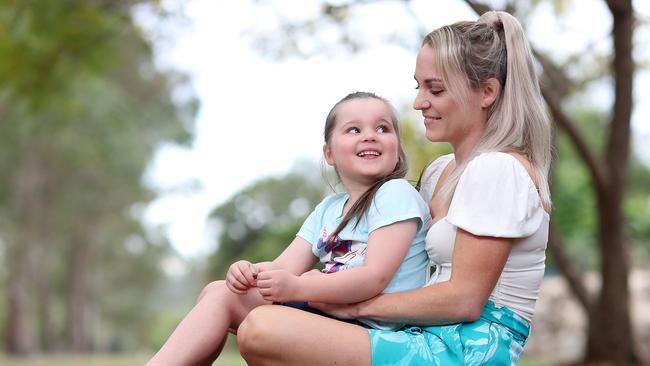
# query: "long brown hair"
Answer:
x=360 y=207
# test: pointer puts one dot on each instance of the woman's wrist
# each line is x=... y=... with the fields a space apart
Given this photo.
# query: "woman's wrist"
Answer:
x=362 y=309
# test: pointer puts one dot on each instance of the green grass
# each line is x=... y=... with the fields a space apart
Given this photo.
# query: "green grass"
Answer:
x=229 y=357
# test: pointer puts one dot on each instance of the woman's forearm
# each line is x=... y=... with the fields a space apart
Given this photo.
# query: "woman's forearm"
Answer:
x=435 y=304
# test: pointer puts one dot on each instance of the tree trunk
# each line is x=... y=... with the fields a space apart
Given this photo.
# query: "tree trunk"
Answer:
x=610 y=335
x=20 y=339
x=78 y=301
x=28 y=185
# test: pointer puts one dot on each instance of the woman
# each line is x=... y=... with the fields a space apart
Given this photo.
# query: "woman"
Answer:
x=489 y=202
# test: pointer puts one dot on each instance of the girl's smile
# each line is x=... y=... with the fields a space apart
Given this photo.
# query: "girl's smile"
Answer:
x=364 y=145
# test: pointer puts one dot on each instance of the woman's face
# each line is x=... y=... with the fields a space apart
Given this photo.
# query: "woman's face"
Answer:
x=444 y=119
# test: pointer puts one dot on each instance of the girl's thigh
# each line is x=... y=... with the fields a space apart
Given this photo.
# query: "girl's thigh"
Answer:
x=279 y=335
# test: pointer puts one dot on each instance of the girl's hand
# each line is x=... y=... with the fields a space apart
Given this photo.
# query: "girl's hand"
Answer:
x=340 y=311
x=278 y=285
x=241 y=276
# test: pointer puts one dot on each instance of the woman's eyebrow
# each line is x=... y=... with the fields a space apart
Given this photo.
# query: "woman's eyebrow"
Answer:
x=429 y=80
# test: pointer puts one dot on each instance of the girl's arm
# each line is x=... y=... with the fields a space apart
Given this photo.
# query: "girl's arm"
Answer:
x=477 y=263
x=387 y=247
x=296 y=258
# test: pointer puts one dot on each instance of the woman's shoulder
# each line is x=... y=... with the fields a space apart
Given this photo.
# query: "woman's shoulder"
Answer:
x=431 y=174
x=437 y=166
x=497 y=163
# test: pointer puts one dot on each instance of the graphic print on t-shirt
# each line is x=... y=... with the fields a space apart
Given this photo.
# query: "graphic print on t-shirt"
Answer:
x=342 y=254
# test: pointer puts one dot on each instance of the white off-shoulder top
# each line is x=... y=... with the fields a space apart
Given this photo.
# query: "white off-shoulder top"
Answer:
x=496 y=197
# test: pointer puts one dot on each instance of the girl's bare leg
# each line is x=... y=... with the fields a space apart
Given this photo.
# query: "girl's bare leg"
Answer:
x=277 y=335
x=200 y=336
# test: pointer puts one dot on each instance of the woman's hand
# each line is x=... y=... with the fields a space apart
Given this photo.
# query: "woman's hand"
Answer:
x=241 y=276
x=278 y=285
x=340 y=311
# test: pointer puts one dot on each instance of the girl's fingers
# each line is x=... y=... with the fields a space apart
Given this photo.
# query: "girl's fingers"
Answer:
x=236 y=281
x=234 y=289
x=250 y=274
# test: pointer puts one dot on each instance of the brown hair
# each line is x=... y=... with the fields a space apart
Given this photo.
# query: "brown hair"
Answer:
x=360 y=207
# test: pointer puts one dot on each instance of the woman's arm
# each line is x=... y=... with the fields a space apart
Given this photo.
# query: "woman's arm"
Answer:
x=477 y=263
x=387 y=247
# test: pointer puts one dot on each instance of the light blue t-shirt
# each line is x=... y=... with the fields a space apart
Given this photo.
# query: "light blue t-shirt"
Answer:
x=395 y=201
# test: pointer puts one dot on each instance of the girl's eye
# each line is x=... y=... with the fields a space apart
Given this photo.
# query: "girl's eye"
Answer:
x=353 y=130
x=436 y=91
x=383 y=129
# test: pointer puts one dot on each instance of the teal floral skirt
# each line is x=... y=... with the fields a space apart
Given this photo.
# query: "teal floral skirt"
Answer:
x=496 y=338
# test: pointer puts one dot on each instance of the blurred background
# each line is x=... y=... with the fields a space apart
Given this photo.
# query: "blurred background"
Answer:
x=146 y=145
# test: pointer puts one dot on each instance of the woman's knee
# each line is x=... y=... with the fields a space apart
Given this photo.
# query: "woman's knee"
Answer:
x=256 y=331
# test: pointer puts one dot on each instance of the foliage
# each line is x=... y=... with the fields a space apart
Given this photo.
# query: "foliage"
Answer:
x=83 y=110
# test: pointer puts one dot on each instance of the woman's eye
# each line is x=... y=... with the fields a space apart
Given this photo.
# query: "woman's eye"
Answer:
x=436 y=91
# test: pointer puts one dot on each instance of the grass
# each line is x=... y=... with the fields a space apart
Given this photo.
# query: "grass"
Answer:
x=229 y=357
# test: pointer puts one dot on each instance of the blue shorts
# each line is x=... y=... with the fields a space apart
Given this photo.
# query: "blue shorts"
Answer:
x=302 y=305
x=496 y=338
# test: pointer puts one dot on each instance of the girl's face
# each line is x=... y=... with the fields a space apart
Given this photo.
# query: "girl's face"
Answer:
x=444 y=119
x=363 y=146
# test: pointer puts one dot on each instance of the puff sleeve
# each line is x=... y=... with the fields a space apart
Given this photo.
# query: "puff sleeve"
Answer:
x=496 y=197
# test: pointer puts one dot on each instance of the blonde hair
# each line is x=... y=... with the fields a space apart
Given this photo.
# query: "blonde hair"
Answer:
x=467 y=54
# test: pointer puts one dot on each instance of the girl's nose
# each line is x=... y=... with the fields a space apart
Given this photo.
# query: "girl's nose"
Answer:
x=370 y=135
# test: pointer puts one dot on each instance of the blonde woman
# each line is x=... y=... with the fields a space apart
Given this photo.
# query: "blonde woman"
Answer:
x=489 y=201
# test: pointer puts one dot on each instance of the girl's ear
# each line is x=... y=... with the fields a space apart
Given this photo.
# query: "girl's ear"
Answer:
x=490 y=92
x=327 y=154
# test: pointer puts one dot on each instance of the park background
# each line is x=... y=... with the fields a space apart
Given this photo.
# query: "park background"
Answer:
x=145 y=145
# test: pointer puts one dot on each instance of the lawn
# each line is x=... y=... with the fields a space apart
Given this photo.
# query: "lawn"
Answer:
x=230 y=357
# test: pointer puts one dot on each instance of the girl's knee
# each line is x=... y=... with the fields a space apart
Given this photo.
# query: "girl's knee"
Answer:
x=255 y=332
x=213 y=289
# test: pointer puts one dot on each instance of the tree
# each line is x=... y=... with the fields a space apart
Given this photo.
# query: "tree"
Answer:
x=610 y=336
x=83 y=110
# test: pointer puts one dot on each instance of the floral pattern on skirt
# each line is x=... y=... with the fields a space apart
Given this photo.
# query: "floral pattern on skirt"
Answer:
x=496 y=338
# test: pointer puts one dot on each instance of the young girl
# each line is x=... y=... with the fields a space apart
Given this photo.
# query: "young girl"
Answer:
x=370 y=238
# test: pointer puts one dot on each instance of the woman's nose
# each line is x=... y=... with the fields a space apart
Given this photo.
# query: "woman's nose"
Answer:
x=420 y=102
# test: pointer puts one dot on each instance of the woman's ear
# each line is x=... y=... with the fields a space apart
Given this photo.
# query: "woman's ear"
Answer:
x=490 y=92
x=327 y=154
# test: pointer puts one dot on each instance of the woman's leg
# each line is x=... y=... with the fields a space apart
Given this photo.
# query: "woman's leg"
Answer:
x=200 y=336
x=277 y=335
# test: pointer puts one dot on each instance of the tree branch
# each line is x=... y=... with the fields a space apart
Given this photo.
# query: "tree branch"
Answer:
x=623 y=68
x=563 y=121
x=568 y=270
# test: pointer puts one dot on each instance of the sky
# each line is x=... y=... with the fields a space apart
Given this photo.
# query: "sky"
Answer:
x=259 y=114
